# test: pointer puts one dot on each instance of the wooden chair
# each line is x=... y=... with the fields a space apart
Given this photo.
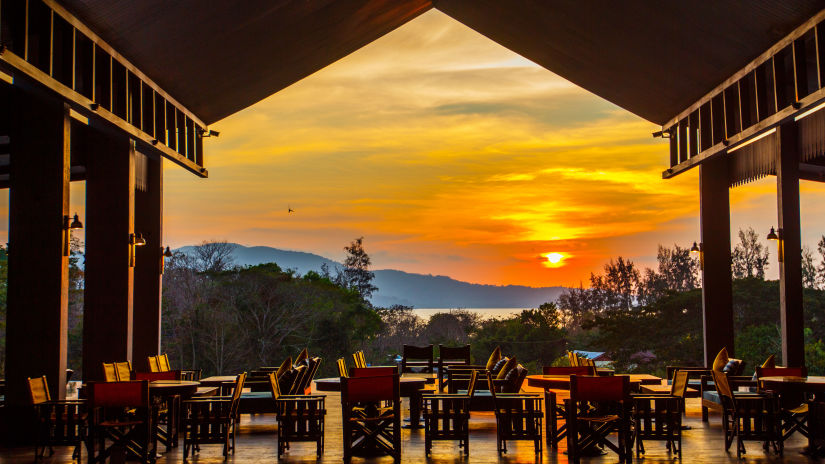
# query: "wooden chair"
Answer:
x=163 y=363
x=371 y=413
x=518 y=417
x=300 y=418
x=359 y=360
x=451 y=356
x=121 y=415
x=447 y=416
x=123 y=370
x=154 y=363
x=342 y=368
x=748 y=417
x=417 y=359
x=554 y=403
x=212 y=420
x=659 y=416
x=597 y=407
x=109 y=372
x=793 y=412
x=59 y=423
x=303 y=383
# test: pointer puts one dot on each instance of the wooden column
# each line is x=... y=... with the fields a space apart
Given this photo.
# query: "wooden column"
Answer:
x=148 y=266
x=717 y=291
x=38 y=273
x=110 y=204
x=790 y=267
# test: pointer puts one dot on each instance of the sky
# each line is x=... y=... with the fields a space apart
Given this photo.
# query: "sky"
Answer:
x=450 y=155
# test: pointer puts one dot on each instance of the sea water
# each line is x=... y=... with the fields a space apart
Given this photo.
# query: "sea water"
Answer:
x=485 y=313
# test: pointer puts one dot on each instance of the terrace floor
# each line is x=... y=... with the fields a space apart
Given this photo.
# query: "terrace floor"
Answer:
x=257 y=444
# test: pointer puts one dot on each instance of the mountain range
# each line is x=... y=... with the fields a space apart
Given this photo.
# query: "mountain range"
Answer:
x=406 y=288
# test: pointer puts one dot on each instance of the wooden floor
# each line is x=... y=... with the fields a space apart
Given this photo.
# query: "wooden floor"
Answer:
x=257 y=443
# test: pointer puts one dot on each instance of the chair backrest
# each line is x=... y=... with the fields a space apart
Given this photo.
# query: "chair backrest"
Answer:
x=372 y=371
x=123 y=371
x=781 y=371
x=121 y=393
x=720 y=379
x=273 y=384
x=284 y=367
x=163 y=362
x=417 y=356
x=295 y=386
x=471 y=387
x=236 y=393
x=568 y=370
x=39 y=390
x=608 y=388
x=370 y=389
x=154 y=364
x=571 y=359
x=680 y=384
x=152 y=376
x=453 y=355
x=359 y=360
x=342 y=368
x=109 y=372
x=305 y=382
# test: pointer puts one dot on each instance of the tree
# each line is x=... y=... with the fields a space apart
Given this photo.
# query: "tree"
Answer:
x=576 y=306
x=213 y=256
x=617 y=288
x=750 y=257
x=820 y=270
x=356 y=274
x=677 y=272
x=809 y=279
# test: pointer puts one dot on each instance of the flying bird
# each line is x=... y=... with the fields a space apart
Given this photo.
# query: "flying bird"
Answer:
x=289 y=210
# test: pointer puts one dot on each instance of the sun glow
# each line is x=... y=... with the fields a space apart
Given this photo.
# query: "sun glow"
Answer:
x=554 y=259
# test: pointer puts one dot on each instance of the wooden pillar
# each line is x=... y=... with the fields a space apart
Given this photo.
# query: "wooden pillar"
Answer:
x=717 y=291
x=148 y=265
x=110 y=204
x=790 y=245
x=38 y=273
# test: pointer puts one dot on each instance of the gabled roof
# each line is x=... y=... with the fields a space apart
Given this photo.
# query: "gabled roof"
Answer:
x=652 y=58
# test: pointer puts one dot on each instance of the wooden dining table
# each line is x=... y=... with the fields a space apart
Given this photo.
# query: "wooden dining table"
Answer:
x=562 y=382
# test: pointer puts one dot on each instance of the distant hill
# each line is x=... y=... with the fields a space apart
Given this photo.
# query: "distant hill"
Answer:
x=399 y=287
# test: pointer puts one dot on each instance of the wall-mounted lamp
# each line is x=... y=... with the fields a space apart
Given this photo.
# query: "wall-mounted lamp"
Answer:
x=209 y=133
x=696 y=249
x=69 y=224
x=167 y=253
x=664 y=133
x=135 y=240
x=780 y=243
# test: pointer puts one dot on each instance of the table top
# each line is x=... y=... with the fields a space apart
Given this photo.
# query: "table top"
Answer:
x=173 y=387
x=218 y=380
x=563 y=381
x=792 y=379
x=645 y=379
x=407 y=383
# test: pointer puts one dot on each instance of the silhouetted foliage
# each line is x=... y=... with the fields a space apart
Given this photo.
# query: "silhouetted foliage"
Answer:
x=750 y=256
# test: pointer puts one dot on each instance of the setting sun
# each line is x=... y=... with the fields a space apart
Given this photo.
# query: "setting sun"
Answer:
x=554 y=259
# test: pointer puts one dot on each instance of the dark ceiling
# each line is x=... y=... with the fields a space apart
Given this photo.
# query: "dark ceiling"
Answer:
x=653 y=58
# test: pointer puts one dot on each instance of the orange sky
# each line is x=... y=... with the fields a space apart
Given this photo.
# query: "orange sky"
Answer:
x=451 y=155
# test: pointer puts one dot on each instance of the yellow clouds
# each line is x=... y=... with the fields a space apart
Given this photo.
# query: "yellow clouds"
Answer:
x=449 y=153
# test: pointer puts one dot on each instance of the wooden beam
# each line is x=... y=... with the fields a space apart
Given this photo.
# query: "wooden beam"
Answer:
x=38 y=282
x=756 y=62
x=717 y=291
x=720 y=149
x=110 y=205
x=790 y=246
x=98 y=116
